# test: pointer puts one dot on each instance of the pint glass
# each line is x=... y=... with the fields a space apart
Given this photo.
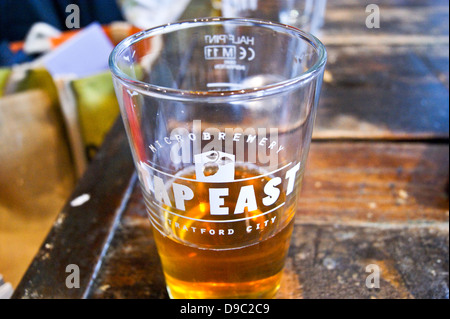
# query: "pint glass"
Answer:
x=219 y=114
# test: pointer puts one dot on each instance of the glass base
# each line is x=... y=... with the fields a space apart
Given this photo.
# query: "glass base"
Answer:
x=260 y=289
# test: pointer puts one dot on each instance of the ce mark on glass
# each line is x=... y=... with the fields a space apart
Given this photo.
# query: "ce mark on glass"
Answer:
x=247 y=53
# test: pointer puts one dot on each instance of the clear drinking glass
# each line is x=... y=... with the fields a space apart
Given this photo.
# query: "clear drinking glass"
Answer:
x=307 y=15
x=219 y=114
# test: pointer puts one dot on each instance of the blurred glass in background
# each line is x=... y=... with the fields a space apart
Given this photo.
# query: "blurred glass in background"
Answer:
x=146 y=14
x=307 y=15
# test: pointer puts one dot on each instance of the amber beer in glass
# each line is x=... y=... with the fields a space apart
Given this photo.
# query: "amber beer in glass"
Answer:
x=219 y=114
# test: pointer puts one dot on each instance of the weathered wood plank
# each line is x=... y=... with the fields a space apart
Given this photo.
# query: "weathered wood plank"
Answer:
x=402 y=22
x=376 y=182
x=386 y=83
x=131 y=268
x=331 y=261
x=384 y=94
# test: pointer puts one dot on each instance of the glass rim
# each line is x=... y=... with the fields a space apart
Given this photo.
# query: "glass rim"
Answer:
x=240 y=94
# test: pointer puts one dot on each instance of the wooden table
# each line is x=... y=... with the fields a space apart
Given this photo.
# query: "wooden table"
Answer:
x=376 y=189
